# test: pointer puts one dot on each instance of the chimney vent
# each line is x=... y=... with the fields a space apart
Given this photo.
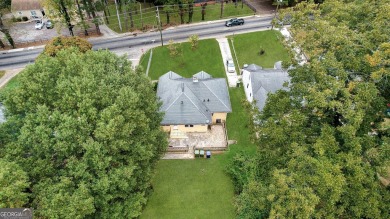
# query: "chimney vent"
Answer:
x=194 y=79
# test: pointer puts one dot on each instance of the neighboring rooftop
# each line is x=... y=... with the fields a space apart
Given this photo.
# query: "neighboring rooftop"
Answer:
x=192 y=100
x=23 y=5
x=264 y=81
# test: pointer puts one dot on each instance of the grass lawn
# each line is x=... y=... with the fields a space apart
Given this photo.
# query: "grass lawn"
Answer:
x=13 y=83
x=248 y=45
x=191 y=189
x=213 y=12
x=207 y=57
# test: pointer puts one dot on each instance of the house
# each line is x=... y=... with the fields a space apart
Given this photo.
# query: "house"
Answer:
x=258 y=82
x=192 y=104
x=27 y=8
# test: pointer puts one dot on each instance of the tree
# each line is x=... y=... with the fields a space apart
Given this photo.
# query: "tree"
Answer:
x=13 y=182
x=63 y=11
x=194 y=41
x=89 y=135
x=190 y=10
x=3 y=5
x=203 y=5
x=320 y=151
x=60 y=43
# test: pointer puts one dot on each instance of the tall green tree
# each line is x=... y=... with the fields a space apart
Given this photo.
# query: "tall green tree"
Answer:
x=321 y=154
x=13 y=185
x=88 y=135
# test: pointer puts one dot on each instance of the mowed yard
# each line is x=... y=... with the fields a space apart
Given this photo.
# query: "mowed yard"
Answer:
x=201 y=188
x=191 y=189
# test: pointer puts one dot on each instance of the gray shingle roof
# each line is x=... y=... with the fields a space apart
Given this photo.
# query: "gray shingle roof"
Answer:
x=187 y=102
x=22 y=5
x=267 y=81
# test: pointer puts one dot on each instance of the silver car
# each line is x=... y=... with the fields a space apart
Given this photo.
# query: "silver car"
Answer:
x=230 y=66
x=39 y=24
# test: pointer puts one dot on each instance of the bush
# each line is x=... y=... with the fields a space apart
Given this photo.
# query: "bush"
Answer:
x=19 y=19
x=61 y=42
x=193 y=40
x=24 y=18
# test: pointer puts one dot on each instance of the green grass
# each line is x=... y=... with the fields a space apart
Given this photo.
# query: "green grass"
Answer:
x=207 y=57
x=191 y=189
x=248 y=45
x=12 y=84
x=213 y=12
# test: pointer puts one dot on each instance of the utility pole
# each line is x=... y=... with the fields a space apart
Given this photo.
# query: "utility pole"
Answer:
x=159 y=25
x=117 y=14
x=278 y=2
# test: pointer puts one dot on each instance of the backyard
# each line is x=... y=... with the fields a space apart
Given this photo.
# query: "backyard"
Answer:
x=149 y=20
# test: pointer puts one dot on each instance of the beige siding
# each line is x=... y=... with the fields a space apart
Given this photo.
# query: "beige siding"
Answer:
x=182 y=128
x=166 y=128
x=221 y=116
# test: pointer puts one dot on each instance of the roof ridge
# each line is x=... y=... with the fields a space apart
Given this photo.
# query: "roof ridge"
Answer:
x=194 y=103
x=216 y=95
x=173 y=101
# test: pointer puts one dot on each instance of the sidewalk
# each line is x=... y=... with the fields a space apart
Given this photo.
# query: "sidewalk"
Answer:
x=9 y=74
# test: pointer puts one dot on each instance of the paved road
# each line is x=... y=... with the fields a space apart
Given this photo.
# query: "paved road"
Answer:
x=130 y=44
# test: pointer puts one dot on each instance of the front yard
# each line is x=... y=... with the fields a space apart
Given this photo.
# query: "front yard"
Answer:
x=206 y=57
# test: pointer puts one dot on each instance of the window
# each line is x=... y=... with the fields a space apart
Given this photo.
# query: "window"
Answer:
x=250 y=94
x=218 y=121
x=247 y=85
x=189 y=126
x=33 y=13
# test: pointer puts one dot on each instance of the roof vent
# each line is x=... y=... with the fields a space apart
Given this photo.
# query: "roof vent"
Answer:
x=194 y=79
x=208 y=100
x=181 y=102
x=182 y=87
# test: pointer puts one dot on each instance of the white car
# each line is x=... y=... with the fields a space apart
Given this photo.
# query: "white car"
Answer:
x=39 y=24
x=230 y=66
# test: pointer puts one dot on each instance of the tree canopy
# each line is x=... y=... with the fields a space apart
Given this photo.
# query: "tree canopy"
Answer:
x=61 y=42
x=85 y=127
x=321 y=152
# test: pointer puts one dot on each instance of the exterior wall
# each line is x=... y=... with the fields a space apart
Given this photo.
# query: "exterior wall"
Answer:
x=246 y=82
x=221 y=116
x=196 y=128
x=166 y=128
x=27 y=13
x=182 y=128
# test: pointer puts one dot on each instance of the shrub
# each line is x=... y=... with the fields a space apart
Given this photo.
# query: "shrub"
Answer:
x=261 y=51
x=19 y=19
x=172 y=48
x=24 y=18
x=193 y=40
x=61 y=42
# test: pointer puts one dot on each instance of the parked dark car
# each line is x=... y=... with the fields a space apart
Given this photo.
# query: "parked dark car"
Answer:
x=234 y=22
